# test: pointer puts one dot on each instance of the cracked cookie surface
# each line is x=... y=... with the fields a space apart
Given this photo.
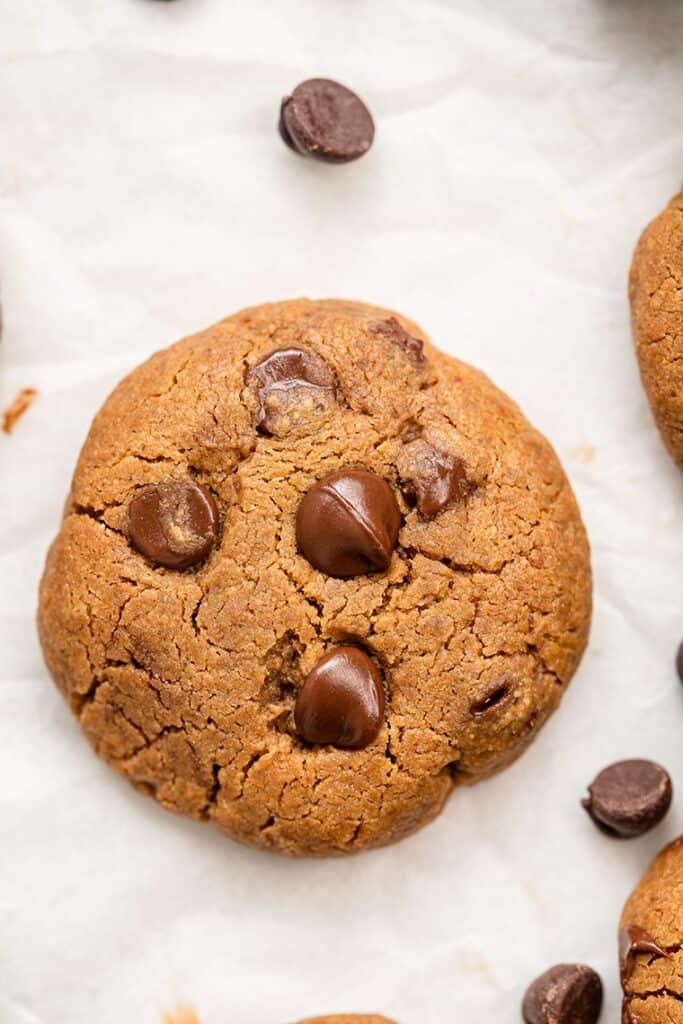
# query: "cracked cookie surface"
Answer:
x=656 y=295
x=185 y=680
x=650 y=941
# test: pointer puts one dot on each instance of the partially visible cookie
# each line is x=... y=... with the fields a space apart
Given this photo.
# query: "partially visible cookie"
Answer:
x=185 y=1016
x=650 y=940
x=348 y=1018
x=656 y=294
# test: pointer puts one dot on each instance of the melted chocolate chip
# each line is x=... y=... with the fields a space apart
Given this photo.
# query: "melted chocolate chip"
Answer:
x=629 y=798
x=496 y=695
x=348 y=523
x=174 y=523
x=634 y=940
x=290 y=385
x=565 y=994
x=327 y=121
x=396 y=333
x=341 y=702
x=432 y=479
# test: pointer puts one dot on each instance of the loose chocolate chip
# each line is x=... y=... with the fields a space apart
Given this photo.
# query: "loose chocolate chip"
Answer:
x=341 y=702
x=325 y=120
x=395 y=332
x=679 y=661
x=496 y=695
x=290 y=385
x=565 y=994
x=633 y=940
x=432 y=479
x=629 y=798
x=174 y=523
x=348 y=523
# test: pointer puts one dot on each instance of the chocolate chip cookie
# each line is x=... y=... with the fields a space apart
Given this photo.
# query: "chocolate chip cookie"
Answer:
x=656 y=294
x=312 y=575
x=349 y=1018
x=650 y=941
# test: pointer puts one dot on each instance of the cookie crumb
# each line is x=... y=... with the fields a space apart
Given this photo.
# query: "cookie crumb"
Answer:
x=583 y=453
x=17 y=407
x=181 y=1015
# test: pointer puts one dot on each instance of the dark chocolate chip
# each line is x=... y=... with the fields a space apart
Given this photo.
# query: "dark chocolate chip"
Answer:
x=629 y=798
x=496 y=695
x=634 y=940
x=432 y=479
x=565 y=994
x=174 y=523
x=679 y=661
x=341 y=702
x=282 y=128
x=327 y=121
x=348 y=523
x=290 y=385
x=395 y=332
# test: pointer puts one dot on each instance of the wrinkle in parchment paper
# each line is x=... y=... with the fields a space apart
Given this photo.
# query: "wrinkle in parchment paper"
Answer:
x=144 y=193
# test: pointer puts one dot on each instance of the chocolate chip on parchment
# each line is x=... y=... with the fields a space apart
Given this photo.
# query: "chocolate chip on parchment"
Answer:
x=431 y=479
x=174 y=523
x=348 y=522
x=396 y=333
x=290 y=385
x=341 y=702
x=629 y=797
x=679 y=661
x=634 y=940
x=327 y=121
x=564 y=994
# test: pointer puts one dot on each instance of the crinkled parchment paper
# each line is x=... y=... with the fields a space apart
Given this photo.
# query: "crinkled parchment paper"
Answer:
x=144 y=193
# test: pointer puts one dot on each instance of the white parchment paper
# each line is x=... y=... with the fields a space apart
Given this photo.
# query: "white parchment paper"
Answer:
x=144 y=193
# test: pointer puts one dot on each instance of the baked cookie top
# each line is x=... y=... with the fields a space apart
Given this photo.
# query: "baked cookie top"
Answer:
x=656 y=294
x=349 y=1018
x=651 y=941
x=184 y=1016
x=313 y=574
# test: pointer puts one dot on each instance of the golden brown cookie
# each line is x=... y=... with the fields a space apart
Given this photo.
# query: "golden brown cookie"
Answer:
x=656 y=294
x=314 y=677
x=650 y=941
x=349 y=1018
x=184 y=1016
